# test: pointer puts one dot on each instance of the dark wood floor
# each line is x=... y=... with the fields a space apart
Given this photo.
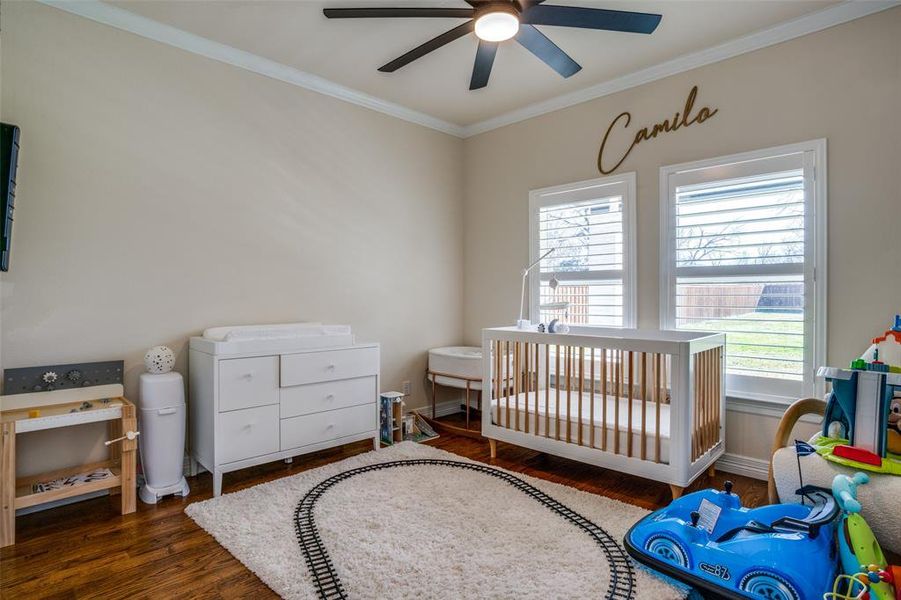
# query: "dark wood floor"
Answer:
x=87 y=550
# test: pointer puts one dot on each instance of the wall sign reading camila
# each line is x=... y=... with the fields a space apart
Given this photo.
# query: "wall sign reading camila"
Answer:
x=686 y=119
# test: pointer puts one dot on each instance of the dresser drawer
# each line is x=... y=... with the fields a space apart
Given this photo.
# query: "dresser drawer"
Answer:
x=312 y=367
x=324 y=426
x=247 y=433
x=328 y=395
x=248 y=382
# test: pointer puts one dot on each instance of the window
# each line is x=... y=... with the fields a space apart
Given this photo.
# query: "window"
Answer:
x=589 y=277
x=743 y=253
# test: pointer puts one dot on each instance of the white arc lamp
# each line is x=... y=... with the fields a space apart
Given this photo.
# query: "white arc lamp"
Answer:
x=524 y=323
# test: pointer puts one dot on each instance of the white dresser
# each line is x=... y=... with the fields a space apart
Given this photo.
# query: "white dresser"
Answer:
x=256 y=401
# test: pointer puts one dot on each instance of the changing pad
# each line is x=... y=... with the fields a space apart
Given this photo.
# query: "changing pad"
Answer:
x=277 y=331
x=280 y=337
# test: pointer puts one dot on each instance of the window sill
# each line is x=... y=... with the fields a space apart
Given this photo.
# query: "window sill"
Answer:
x=765 y=405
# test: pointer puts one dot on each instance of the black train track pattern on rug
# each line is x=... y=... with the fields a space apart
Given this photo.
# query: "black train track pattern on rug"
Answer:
x=328 y=583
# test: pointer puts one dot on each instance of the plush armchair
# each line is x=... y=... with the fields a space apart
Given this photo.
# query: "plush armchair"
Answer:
x=880 y=497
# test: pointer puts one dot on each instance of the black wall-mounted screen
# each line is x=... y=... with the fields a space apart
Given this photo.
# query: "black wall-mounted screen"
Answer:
x=9 y=156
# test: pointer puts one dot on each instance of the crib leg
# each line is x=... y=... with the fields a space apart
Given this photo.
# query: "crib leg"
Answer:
x=711 y=470
x=493 y=445
x=676 y=490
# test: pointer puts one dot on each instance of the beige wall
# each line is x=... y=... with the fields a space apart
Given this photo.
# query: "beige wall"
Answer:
x=843 y=84
x=161 y=193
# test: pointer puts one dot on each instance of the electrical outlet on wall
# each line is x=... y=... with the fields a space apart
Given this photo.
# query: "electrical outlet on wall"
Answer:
x=406 y=388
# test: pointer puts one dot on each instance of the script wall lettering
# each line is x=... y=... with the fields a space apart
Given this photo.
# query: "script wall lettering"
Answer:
x=685 y=119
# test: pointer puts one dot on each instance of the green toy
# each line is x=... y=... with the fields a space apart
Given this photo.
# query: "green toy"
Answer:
x=859 y=551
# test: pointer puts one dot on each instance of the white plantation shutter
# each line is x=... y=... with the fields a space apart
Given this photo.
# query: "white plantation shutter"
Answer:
x=740 y=253
x=588 y=225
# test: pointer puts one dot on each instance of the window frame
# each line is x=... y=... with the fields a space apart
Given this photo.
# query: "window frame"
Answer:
x=814 y=166
x=622 y=184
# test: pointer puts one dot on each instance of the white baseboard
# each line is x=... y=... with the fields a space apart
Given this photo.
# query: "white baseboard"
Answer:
x=744 y=465
x=442 y=409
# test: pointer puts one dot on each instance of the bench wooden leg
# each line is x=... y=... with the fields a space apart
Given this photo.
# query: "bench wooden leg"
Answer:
x=8 y=485
x=676 y=490
x=492 y=444
x=711 y=470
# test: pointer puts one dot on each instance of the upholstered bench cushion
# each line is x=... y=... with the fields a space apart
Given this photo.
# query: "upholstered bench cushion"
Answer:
x=880 y=497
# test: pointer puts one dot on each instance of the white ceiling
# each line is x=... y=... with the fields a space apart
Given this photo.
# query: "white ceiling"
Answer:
x=349 y=52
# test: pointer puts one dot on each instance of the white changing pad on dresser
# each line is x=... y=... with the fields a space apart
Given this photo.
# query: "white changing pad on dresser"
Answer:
x=243 y=339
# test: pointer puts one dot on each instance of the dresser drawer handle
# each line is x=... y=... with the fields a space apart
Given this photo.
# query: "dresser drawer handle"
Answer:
x=330 y=367
x=247 y=376
x=330 y=397
x=331 y=426
x=249 y=425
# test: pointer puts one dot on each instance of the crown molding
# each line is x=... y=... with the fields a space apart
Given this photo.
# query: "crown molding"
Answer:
x=125 y=20
x=811 y=23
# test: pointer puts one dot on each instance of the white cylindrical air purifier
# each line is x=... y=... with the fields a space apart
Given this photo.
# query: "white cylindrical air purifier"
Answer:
x=162 y=439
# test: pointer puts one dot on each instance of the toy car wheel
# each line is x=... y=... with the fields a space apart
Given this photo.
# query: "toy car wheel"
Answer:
x=768 y=585
x=667 y=549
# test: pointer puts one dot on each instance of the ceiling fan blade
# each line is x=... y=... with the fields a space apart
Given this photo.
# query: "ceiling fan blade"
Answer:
x=539 y=45
x=384 y=13
x=525 y=4
x=481 y=70
x=433 y=44
x=591 y=18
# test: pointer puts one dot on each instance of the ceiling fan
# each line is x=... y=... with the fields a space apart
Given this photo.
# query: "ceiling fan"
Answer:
x=495 y=21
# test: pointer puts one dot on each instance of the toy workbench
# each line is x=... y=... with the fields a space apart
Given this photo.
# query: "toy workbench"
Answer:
x=21 y=413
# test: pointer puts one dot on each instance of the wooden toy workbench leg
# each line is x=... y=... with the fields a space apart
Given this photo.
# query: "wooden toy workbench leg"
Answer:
x=8 y=485
x=128 y=465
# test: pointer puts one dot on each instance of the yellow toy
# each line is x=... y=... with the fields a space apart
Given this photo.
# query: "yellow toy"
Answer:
x=847 y=587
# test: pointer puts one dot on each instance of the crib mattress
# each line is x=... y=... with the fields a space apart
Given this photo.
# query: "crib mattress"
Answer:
x=609 y=402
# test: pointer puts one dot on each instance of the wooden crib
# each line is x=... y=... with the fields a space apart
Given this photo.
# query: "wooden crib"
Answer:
x=647 y=403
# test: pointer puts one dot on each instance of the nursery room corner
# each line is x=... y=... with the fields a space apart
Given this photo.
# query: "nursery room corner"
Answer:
x=488 y=299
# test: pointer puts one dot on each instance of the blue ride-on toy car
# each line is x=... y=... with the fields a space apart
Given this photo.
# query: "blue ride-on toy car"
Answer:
x=710 y=542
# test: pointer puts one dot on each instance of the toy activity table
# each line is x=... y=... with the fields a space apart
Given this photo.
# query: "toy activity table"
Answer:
x=55 y=410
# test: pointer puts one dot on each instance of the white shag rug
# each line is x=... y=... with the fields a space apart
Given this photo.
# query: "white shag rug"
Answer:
x=425 y=532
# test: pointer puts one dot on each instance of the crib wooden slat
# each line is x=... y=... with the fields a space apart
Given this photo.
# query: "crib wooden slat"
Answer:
x=507 y=357
x=644 y=405
x=711 y=402
x=591 y=408
x=569 y=393
x=630 y=390
x=709 y=386
x=717 y=366
x=705 y=386
x=708 y=391
x=527 y=384
x=604 y=399
x=657 y=393
x=699 y=402
x=557 y=381
x=498 y=374
x=547 y=390
x=581 y=386
x=617 y=390
x=537 y=383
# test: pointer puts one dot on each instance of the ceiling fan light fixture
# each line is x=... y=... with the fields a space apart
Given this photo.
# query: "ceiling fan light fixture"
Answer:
x=497 y=26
